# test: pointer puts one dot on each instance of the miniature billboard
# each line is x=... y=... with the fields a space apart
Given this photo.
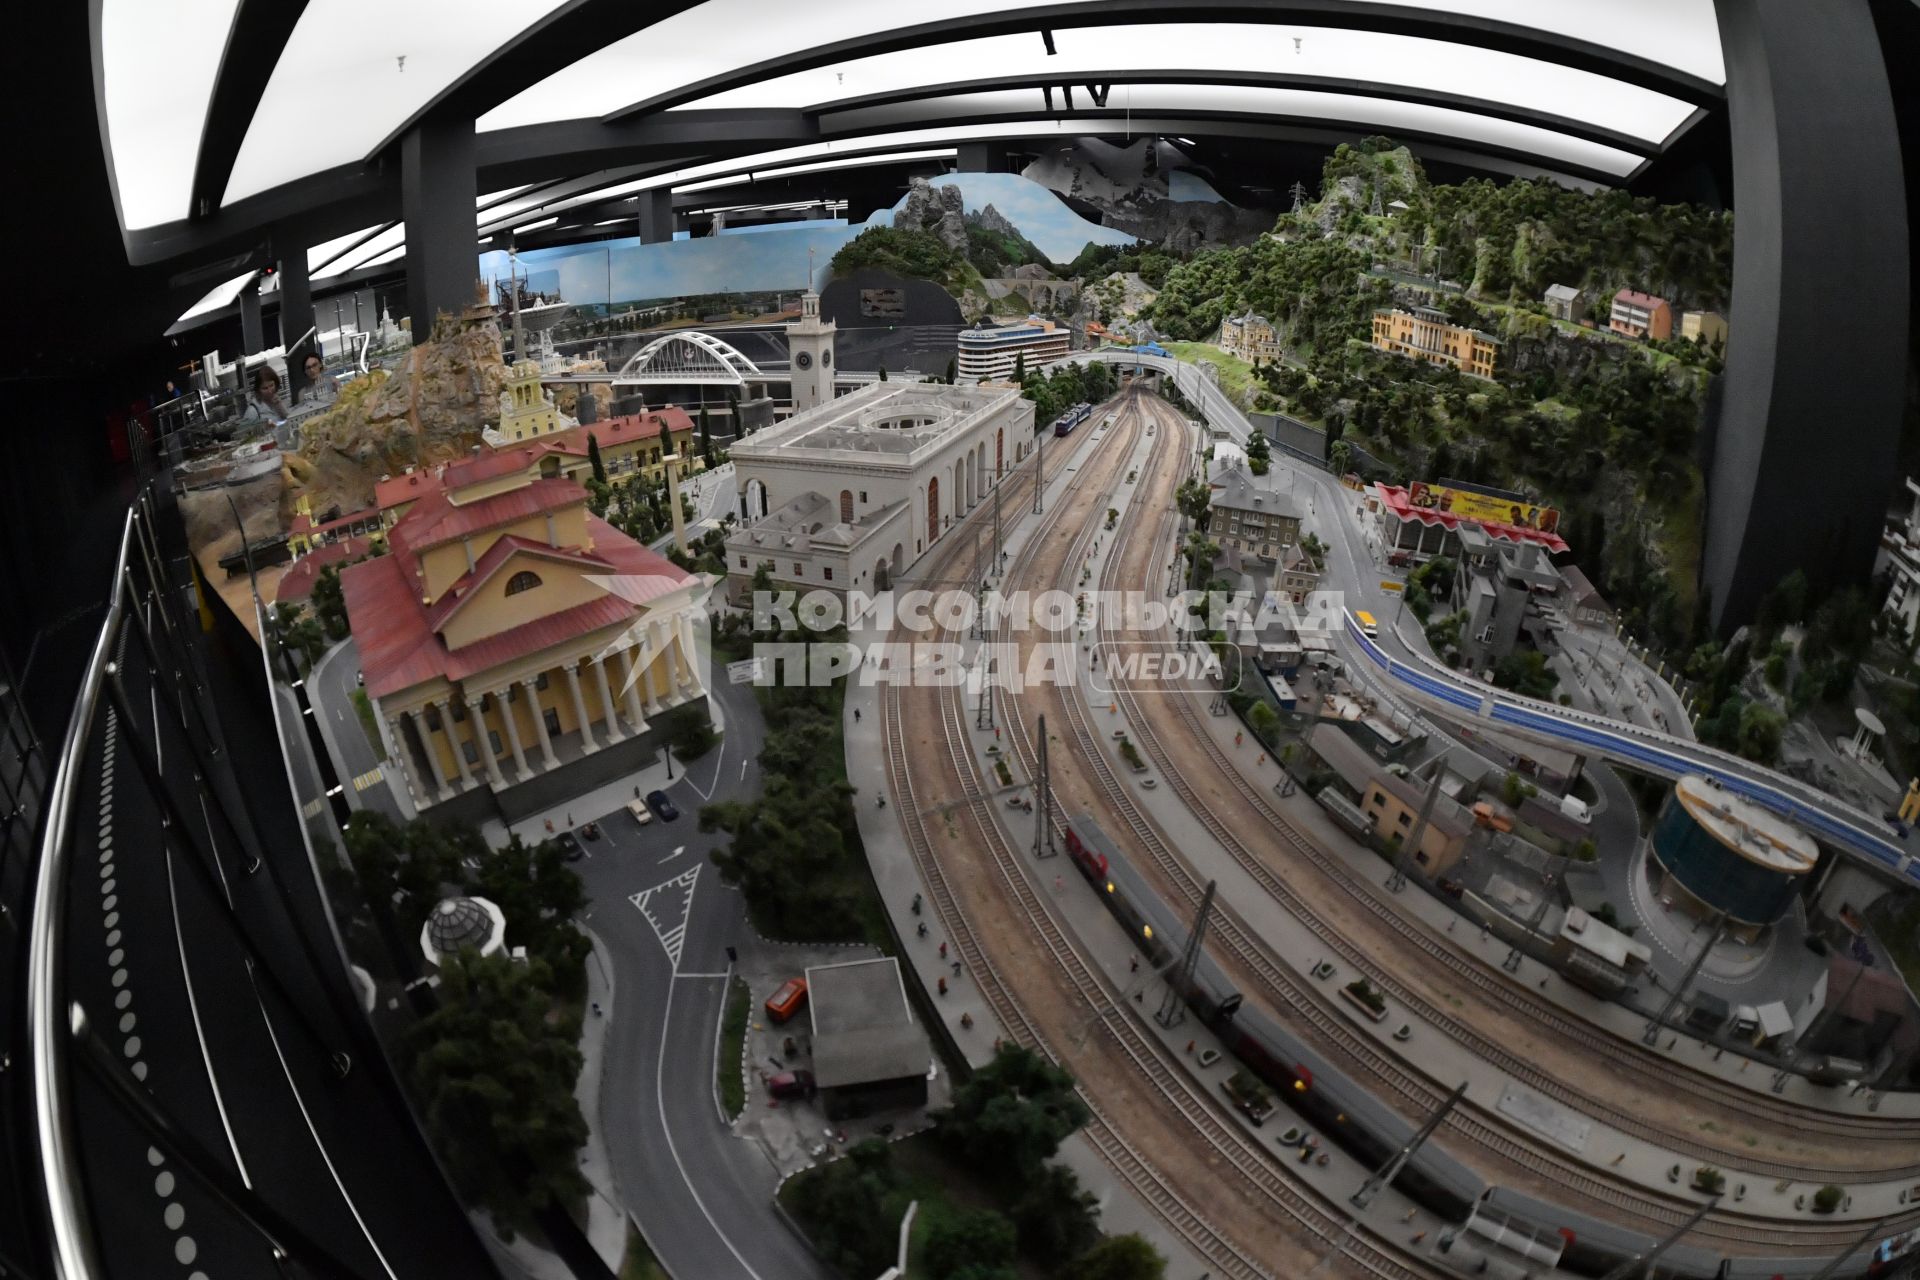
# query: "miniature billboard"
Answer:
x=1482 y=507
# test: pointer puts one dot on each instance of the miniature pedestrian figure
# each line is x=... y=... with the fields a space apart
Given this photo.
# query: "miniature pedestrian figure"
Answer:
x=549 y=826
x=1262 y=759
x=943 y=951
x=943 y=986
x=956 y=968
x=569 y=820
x=1238 y=739
x=916 y=904
x=856 y=715
x=882 y=800
x=596 y=1009
x=1133 y=964
x=923 y=928
x=966 y=1022
x=1059 y=885
x=1189 y=1048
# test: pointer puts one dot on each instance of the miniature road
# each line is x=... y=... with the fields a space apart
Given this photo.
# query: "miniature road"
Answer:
x=369 y=783
x=702 y=1197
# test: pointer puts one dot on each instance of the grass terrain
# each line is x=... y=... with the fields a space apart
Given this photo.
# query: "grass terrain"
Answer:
x=639 y=1262
x=363 y=708
x=733 y=1040
x=1237 y=378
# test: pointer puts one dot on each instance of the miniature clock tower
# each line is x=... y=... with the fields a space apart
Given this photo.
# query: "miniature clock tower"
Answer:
x=810 y=347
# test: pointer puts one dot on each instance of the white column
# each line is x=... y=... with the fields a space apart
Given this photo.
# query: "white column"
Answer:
x=685 y=628
x=646 y=671
x=426 y=740
x=631 y=694
x=478 y=719
x=513 y=730
x=614 y=733
x=532 y=686
x=459 y=756
x=587 y=744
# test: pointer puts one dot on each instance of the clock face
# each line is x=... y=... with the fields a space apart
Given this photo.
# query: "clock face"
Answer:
x=804 y=360
x=826 y=359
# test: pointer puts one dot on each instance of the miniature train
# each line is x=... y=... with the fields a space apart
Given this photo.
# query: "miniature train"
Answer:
x=1373 y=1132
x=1066 y=422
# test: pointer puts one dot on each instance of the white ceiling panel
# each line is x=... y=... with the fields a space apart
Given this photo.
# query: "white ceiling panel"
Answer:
x=1383 y=115
x=159 y=63
x=356 y=70
x=1225 y=48
x=720 y=36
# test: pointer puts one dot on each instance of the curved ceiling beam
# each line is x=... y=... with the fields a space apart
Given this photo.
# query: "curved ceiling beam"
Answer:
x=261 y=29
x=1359 y=15
x=1568 y=125
x=542 y=50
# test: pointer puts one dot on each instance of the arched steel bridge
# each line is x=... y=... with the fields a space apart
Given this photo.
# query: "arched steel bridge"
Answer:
x=691 y=358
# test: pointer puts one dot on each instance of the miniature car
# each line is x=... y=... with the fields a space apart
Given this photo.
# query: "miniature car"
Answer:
x=570 y=846
x=658 y=802
x=788 y=1000
x=791 y=1084
x=591 y=830
x=639 y=812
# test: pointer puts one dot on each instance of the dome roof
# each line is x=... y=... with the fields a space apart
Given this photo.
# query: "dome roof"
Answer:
x=463 y=922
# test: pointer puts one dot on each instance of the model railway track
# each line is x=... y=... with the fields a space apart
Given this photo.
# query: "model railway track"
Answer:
x=1309 y=1004
x=1142 y=1054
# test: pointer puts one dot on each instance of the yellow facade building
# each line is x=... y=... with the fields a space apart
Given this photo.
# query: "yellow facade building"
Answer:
x=1251 y=337
x=1426 y=334
x=509 y=633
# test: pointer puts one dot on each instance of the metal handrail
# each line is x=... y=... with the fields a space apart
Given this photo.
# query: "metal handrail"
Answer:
x=49 y=1034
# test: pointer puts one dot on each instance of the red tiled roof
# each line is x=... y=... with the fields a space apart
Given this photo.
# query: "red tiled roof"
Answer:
x=1394 y=498
x=400 y=648
x=395 y=490
x=1634 y=298
x=296 y=584
x=502 y=550
x=492 y=464
x=435 y=520
x=622 y=430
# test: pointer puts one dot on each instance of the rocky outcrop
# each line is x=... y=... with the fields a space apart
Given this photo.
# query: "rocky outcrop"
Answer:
x=430 y=410
x=1184 y=226
x=993 y=220
x=940 y=210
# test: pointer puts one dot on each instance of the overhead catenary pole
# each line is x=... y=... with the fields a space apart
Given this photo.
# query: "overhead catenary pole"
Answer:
x=1043 y=844
x=1173 y=1007
x=1391 y=1170
x=1686 y=980
x=1877 y=1227
x=1638 y=1265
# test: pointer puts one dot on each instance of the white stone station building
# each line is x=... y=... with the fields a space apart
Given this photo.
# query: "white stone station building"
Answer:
x=874 y=477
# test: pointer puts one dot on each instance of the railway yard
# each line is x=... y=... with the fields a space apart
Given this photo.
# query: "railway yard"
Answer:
x=1286 y=903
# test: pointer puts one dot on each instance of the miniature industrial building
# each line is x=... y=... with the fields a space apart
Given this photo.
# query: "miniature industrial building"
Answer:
x=1564 y=302
x=1720 y=853
x=1392 y=805
x=869 y=1053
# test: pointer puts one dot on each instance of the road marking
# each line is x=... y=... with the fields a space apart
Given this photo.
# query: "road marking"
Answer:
x=699 y=975
x=362 y=781
x=673 y=1149
x=706 y=793
x=675 y=908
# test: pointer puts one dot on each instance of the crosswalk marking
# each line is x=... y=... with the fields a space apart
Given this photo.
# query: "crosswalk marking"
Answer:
x=668 y=906
x=367 y=779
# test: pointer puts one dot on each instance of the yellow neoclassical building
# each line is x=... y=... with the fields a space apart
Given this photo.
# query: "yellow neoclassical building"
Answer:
x=510 y=634
x=1425 y=333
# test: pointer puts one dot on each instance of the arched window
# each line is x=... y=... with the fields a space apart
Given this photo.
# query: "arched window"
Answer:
x=525 y=580
x=846 y=506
